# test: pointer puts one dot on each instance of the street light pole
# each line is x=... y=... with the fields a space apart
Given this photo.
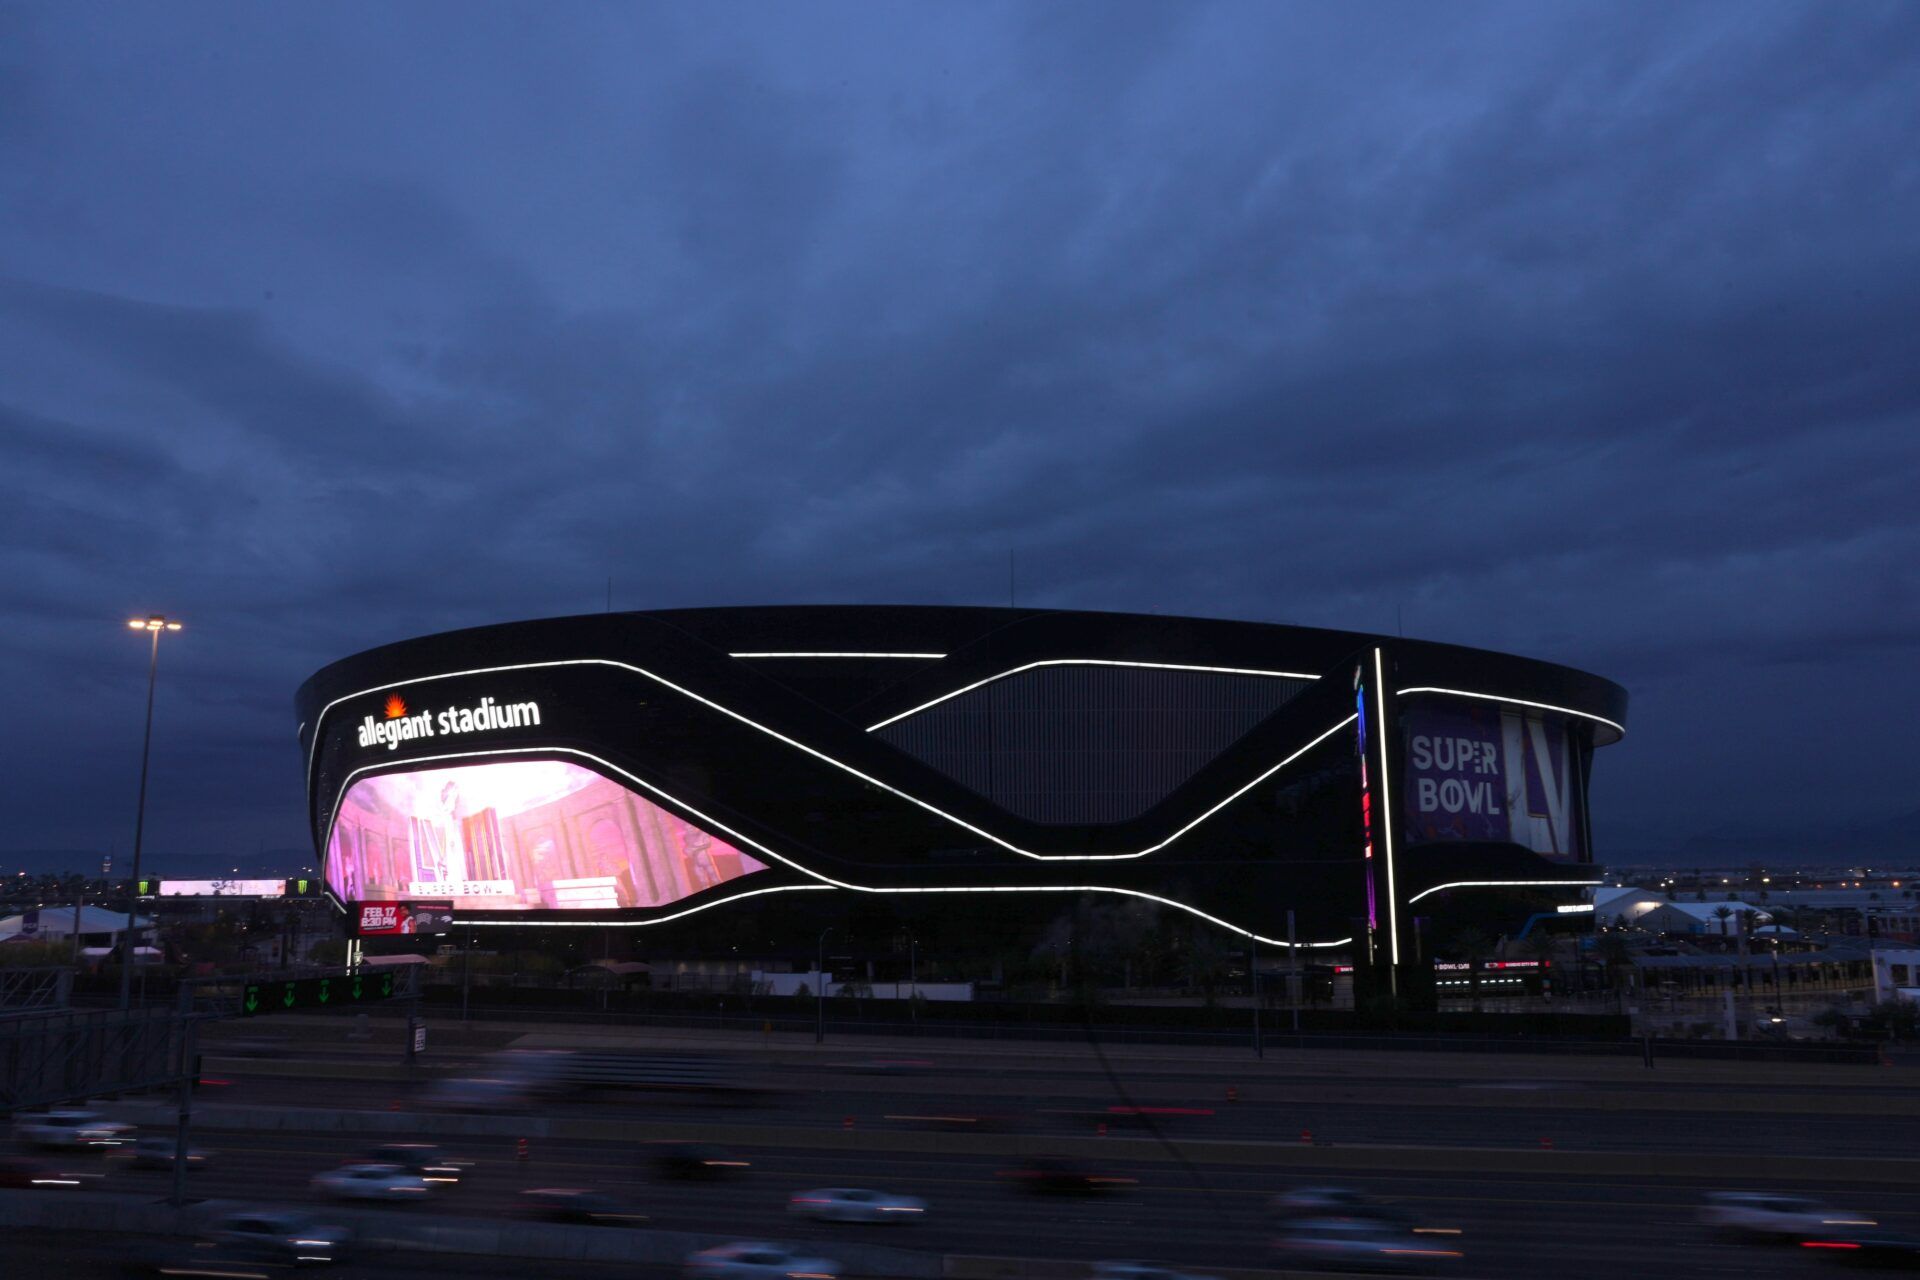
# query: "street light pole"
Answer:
x=153 y=626
x=820 y=988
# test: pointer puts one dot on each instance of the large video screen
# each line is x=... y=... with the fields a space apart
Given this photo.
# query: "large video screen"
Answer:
x=529 y=835
x=1484 y=772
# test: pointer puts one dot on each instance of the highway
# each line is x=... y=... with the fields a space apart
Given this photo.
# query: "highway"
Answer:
x=1651 y=1113
x=1203 y=1215
x=1372 y=1122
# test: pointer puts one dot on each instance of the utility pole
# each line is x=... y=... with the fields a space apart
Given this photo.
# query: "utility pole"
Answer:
x=466 y=972
x=1293 y=979
x=820 y=992
x=1253 y=974
x=189 y=1071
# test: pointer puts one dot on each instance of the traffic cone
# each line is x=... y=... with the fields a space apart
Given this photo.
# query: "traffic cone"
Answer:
x=1233 y=1094
x=847 y=1123
x=1306 y=1136
x=1100 y=1130
x=519 y=1148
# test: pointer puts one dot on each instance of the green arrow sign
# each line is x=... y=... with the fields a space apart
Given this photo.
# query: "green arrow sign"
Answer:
x=308 y=993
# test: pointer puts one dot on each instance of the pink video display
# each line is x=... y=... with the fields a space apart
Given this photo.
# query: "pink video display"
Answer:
x=528 y=835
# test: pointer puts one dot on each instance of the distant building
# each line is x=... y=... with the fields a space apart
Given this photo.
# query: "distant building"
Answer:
x=1646 y=909
x=98 y=927
x=1896 y=974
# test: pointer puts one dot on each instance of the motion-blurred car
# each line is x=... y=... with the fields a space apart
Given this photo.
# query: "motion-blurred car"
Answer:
x=693 y=1160
x=285 y=1234
x=157 y=1153
x=1140 y=1271
x=1872 y=1248
x=1759 y=1215
x=430 y=1162
x=477 y=1093
x=24 y=1173
x=370 y=1182
x=579 y=1205
x=758 y=1262
x=855 y=1204
x=1335 y=1202
x=956 y=1121
x=1360 y=1244
x=1048 y=1175
x=70 y=1128
x=205 y=1260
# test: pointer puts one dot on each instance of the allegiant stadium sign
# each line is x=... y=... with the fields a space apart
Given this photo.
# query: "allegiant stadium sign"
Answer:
x=403 y=725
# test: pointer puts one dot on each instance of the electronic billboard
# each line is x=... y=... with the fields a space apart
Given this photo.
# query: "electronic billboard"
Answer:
x=1482 y=772
x=525 y=835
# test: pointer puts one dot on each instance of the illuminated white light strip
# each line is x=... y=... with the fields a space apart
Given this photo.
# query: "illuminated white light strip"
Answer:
x=1500 y=884
x=931 y=657
x=1091 y=662
x=1518 y=702
x=1386 y=809
x=826 y=882
x=628 y=924
x=816 y=754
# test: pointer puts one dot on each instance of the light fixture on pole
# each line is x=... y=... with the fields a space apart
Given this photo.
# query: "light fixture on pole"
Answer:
x=130 y=942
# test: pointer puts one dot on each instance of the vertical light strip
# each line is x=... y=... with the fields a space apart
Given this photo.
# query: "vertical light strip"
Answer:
x=1386 y=808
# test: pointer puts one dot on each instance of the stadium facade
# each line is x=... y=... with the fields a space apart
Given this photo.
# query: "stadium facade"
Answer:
x=633 y=768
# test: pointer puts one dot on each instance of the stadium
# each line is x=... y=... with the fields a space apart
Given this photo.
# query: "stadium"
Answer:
x=634 y=768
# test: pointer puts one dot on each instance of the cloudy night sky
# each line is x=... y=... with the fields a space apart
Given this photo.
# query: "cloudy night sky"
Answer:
x=1586 y=332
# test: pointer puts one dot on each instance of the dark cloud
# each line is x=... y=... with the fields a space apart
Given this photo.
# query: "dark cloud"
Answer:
x=1581 y=332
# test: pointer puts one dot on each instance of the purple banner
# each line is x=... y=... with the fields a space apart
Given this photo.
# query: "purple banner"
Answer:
x=1456 y=772
x=1477 y=771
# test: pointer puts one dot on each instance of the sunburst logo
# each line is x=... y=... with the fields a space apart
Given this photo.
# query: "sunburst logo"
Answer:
x=396 y=706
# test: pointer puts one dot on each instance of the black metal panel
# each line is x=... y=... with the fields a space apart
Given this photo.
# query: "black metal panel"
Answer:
x=1087 y=744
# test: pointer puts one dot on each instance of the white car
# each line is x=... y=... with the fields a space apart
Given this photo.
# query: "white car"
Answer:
x=71 y=1128
x=758 y=1262
x=282 y=1234
x=1362 y=1243
x=1763 y=1215
x=854 y=1204
x=370 y=1182
x=1140 y=1271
